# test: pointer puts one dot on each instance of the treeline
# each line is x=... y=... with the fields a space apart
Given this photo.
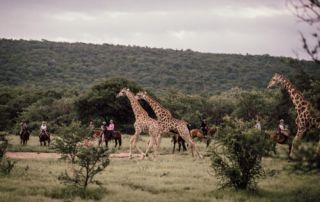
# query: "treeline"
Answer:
x=99 y=103
x=50 y=65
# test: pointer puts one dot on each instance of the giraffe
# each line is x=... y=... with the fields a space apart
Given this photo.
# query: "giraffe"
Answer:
x=143 y=123
x=167 y=122
x=307 y=116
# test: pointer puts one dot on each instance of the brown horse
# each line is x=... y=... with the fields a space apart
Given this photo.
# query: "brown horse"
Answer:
x=197 y=133
x=116 y=136
x=282 y=139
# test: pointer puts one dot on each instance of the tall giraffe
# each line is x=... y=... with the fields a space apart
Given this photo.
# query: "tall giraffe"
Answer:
x=167 y=122
x=143 y=123
x=307 y=116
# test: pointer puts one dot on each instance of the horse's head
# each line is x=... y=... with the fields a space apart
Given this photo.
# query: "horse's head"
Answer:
x=123 y=92
x=141 y=95
x=274 y=80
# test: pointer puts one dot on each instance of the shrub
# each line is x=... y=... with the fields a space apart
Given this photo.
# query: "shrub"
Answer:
x=6 y=165
x=68 y=138
x=236 y=156
x=307 y=158
x=89 y=161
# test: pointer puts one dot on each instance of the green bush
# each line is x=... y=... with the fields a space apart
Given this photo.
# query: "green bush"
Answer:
x=307 y=158
x=6 y=165
x=68 y=138
x=89 y=161
x=237 y=153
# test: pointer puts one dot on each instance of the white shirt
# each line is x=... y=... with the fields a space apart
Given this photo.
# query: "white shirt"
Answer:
x=43 y=127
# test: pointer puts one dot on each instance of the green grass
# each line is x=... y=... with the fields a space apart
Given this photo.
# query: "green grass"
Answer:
x=33 y=145
x=177 y=177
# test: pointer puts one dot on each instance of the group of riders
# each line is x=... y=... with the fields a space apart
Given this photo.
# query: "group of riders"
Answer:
x=107 y=130
x=24 y=129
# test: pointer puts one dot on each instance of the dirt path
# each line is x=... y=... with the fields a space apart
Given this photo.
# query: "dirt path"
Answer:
x=41 y=156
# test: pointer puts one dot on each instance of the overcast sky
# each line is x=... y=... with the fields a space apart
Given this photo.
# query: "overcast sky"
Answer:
x=225 y=26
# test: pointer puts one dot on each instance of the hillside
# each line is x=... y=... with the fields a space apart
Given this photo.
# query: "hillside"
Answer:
x=78 y=65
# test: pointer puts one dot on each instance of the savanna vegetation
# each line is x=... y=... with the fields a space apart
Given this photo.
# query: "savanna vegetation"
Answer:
x=70 y=84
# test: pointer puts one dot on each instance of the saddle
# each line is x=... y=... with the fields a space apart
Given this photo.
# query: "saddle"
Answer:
x=281 y=138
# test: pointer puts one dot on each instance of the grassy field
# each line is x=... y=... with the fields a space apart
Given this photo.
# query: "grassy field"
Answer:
x=177 y=177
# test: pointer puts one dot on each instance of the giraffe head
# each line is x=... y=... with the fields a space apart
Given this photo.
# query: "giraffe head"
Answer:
x=141 y=95
x=275 y=80
x=123 y=92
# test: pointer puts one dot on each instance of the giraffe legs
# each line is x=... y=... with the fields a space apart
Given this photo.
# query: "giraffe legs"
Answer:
x=296 y=141
x=133 y=143
x=184 y=133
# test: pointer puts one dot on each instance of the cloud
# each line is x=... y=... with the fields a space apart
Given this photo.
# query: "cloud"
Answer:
x=230 y=26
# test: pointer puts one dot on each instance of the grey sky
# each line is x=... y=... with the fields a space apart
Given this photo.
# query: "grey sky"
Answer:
x=229 y=26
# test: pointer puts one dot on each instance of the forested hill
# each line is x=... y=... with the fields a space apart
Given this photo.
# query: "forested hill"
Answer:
x=78 y=65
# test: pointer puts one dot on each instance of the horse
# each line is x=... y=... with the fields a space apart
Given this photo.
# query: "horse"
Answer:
x=44 y=138
x=176 y=138
x=282 y=139
x=24 y=136
x=197 y=133
x=117 y=137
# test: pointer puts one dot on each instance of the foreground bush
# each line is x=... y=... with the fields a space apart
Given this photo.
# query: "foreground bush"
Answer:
x=68 y=138
x=236 y=156
x=307 y=158
x=89 y=161
x=6 y=165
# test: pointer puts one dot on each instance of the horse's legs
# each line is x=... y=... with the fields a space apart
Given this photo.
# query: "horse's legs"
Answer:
x=183 y=145
x=208 y=142
x=106 y=142
x=174 y=143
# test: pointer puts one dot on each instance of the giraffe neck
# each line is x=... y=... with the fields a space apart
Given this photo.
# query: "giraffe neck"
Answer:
x=296 y=96
x=161 y=112
x=136 y=107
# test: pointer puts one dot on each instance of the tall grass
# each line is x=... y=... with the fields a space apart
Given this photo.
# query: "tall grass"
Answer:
x=177 y=177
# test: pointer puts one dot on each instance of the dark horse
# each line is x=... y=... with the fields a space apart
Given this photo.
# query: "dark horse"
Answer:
x=176 y=138
x=44 y=137
x=282 y=139
x=24 y=136
x=116 y=136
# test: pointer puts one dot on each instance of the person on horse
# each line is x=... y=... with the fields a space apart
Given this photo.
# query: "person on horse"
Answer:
x=23 y=127
x=258 y=124
x=103 y=130
x=44 y=129
x=282 y=129
x=204 y=127
x=110 y=129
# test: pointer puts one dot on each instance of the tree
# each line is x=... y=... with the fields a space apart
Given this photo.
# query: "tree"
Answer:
x=100 y=103
x=89 y=161
x=68 y=138
x=237 y=154
x=309 y=12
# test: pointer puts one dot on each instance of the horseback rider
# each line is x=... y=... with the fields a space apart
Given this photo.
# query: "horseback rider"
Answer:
x=23 y=127
x=258 y=125
x=110 y=129
x=44 y=129
x=282 y=128
x=103 y=130
x=204 y=127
